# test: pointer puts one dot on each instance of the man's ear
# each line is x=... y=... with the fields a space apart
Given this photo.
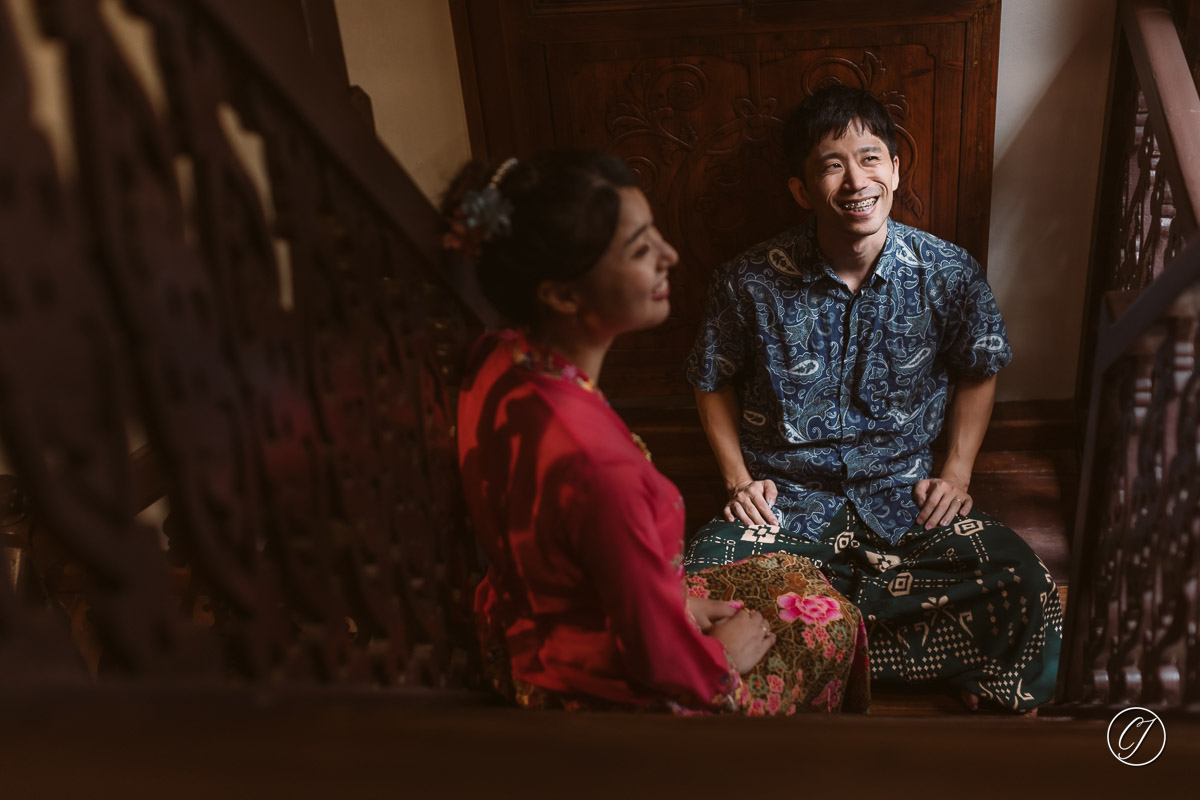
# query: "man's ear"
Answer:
x=559 y=297
x=895 y=173
x=799 y=192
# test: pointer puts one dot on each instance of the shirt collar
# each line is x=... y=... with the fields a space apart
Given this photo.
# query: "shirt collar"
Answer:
x=813 y=265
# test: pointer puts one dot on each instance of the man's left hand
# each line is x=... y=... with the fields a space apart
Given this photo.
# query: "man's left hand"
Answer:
x=941 y=500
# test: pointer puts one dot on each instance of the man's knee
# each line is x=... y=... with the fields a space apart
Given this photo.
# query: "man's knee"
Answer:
x=1013 y=554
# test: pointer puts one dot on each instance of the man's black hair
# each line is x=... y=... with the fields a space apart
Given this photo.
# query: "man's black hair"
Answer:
x=833 y=109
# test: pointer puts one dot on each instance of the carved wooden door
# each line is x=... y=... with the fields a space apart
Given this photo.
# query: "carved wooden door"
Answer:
x=693 y=93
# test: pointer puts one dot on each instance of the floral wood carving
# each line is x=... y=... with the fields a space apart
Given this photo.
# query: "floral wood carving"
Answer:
x=705 y=136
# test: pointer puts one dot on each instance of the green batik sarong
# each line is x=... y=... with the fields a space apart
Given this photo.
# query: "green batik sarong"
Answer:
x=967 y=605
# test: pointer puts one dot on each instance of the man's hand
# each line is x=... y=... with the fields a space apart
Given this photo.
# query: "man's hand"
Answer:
x=751 y=503
x=706 y=611
x=941 y=500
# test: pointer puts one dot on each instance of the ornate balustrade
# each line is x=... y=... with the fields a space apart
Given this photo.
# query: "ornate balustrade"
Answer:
x=210 y=251
x=1135 y=580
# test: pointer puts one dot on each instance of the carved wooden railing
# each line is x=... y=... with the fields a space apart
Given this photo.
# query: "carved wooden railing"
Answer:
x=1131 y=636
x=213 y=253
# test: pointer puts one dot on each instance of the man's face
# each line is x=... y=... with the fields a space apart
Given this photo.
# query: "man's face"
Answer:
x=848 y=183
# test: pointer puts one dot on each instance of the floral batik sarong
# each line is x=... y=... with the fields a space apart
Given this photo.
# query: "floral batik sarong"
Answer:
x=819 y=659
x=818 y=662
x=967 y=605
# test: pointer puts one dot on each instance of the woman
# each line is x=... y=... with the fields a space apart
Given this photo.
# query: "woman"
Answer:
x=584 y=603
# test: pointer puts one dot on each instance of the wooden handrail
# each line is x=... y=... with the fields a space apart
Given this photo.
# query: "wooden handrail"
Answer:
x=1117 y=336
x=311 y=92
x=1171 y=97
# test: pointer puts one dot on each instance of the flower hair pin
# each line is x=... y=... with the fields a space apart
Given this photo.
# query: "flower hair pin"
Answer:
x=482 y=214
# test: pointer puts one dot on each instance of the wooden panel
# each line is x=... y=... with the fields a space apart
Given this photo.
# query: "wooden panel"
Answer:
x=693 y=96
x=704 y=132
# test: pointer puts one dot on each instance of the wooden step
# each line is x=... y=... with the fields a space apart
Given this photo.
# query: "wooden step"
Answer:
x=1033 y=492
x=205 y=747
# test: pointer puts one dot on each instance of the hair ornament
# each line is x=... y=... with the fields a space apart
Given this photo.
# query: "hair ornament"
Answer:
x=481 y=215
x=487 y=212
x=502 y=172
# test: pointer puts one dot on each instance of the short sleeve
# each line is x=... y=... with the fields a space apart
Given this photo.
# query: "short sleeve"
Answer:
x=976 y=341
x=639 y=581
x=719 y=351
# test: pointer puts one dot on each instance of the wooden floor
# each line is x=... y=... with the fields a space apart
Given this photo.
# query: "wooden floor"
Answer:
x=223 y=747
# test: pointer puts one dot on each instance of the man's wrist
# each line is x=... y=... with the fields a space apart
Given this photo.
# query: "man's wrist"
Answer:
x=957 y=474
x=731 y=487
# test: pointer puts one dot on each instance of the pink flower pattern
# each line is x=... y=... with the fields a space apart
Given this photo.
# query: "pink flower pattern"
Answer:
x=815 y=637
x=818 y=667
x=813 y=610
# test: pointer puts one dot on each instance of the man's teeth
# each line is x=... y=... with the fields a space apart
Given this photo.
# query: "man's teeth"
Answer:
x=862 y=205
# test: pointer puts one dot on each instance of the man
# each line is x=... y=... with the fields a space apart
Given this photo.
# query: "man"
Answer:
x=822 y=372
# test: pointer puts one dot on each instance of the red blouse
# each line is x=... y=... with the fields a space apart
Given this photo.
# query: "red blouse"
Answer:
x=584 y=537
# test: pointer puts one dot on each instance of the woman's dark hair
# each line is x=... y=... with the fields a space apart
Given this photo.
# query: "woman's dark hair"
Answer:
x=833 y=109
x=562 y=208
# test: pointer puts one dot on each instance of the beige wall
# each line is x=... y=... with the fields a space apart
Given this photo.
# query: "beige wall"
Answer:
x=402 y=53
x=1054 y=58
x=1054 y=63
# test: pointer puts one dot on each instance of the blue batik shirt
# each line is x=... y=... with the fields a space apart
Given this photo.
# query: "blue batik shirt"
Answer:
x=843 y=394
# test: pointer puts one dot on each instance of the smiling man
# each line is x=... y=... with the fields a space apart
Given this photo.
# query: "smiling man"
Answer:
x=822 y=371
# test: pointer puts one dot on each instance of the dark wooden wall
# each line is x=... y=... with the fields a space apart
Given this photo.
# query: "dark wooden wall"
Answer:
x=693 y=93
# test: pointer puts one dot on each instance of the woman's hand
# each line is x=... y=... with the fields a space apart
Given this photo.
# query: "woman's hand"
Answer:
x=746 y=637
x=707 y=611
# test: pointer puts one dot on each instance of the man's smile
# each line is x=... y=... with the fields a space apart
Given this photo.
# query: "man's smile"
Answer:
x=860 y=205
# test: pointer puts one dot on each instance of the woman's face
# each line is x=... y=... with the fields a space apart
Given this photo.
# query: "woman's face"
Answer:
x=629 y=287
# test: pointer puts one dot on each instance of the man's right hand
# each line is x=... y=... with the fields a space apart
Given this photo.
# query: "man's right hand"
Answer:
x=751 y=503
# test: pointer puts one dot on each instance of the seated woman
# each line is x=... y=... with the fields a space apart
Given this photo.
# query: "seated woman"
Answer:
x=585 y=603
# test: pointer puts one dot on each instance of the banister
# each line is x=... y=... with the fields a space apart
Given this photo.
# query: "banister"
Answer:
x=1116 y=336
x=278 y=326
x=1171 y=97
x=1135 y=552
x=311 y=92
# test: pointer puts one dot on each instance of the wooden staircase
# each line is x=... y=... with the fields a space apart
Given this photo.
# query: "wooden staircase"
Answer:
x=268 y=676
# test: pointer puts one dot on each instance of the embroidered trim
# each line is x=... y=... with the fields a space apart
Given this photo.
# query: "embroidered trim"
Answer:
x=551 y=364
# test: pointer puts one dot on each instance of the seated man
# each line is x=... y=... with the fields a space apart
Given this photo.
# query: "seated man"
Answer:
x=822 y=372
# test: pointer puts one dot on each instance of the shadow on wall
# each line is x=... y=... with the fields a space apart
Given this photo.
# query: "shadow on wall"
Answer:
x=1043 y=199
